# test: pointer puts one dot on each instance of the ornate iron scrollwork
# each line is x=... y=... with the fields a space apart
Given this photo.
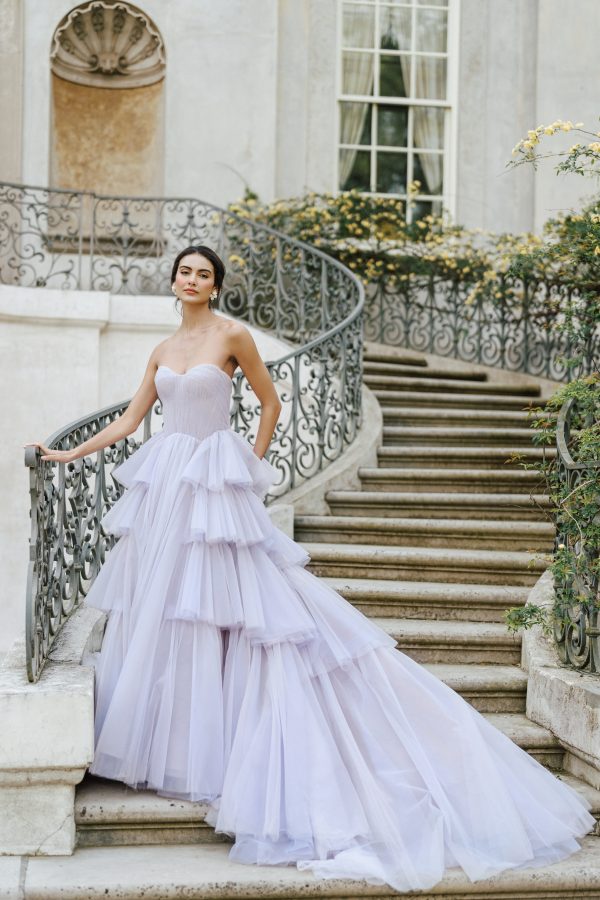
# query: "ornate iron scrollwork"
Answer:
x=510 y=331
x=577 y=626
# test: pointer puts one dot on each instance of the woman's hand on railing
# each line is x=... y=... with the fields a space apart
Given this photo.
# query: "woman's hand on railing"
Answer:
x=63 y=456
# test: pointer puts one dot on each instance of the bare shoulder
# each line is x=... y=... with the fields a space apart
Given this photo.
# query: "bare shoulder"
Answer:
x=158 y=351
x=240 y=334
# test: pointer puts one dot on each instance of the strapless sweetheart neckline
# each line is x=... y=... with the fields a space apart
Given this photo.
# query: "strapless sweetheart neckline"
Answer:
x=198 y=366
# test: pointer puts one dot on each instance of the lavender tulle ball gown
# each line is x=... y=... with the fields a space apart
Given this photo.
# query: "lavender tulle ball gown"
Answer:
x=231 y=674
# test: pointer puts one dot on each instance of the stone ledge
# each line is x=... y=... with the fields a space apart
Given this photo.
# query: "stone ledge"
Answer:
x=565 y=701
x=161 y=873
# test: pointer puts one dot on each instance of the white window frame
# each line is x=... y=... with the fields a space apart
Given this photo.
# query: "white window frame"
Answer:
x=450 y=105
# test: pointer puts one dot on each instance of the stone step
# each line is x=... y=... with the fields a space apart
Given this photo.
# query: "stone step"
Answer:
x=407 y=358
x=496 y=690
x=410 y=532
x=438 y=400
x=424 y=563
x=440 y=417
x=426 y=505
x=455 y=481
x=428 y=434
x=449 y=641
x=108 y=813
x=429 y=599
x=457 y=456
x=197 y=872
x=385 y=368
x=436 y=380
x=585 y=790
x=536 y=740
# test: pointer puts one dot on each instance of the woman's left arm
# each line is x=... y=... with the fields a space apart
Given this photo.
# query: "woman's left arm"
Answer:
x=246 y=353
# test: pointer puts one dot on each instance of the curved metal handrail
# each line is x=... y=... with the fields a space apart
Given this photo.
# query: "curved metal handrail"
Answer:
x=125 y=245
x=577 y=629
x=512 y=326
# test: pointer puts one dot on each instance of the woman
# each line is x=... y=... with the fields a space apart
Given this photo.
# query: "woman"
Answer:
x=230 y=674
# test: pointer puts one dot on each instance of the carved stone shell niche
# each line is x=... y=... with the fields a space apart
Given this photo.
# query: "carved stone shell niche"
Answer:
x=108 y=44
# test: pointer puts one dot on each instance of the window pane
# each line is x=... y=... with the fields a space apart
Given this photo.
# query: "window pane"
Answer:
x=395 y=26
x=428 y=168
x=431 y=30
x=358 y=28
x=428 y=127
x=430 y=78
x=357 y=73
x=392 y=126
x=432 y=3
x=419 y=209
x=356 y=123
x=391 y=173
x=355 y=170
x=394 y=76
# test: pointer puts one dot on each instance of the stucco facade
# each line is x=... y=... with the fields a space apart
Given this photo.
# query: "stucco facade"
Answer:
x=250 y=98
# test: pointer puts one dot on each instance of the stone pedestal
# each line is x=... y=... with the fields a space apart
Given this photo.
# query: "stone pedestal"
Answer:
x=46 y=740
x=565 y=701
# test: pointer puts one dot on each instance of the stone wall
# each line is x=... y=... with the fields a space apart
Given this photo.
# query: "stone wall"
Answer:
x=250 y=100
x=107 y=141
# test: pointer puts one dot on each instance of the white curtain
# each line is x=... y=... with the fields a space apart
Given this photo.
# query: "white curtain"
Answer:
x=358 y=73
x=430 y=84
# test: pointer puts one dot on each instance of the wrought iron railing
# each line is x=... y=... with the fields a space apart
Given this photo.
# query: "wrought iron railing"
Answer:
x=513 y=326
x=65 y=239
x=577 y=585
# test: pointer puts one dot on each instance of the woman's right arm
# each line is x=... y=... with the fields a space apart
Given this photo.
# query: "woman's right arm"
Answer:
x=127 y=423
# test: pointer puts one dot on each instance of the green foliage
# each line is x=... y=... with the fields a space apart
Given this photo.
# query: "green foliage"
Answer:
x=575 y=505
x=518 y=617
x=570 y=255
x=371 y=236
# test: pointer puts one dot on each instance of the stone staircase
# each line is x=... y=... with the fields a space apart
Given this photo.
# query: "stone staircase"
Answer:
x=447 y=532
x=442 y=536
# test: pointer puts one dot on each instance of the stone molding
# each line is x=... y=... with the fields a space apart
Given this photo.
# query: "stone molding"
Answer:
x=110 y=44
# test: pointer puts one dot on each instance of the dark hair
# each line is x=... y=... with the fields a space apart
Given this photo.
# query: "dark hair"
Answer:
x=217 y=263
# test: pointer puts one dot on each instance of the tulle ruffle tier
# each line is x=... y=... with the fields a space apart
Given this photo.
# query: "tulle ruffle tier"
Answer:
x=230 y=674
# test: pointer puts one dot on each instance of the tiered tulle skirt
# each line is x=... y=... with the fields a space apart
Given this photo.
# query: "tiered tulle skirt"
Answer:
x=231 y=674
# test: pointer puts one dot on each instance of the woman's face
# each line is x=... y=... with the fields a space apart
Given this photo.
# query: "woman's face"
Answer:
x=195 y=278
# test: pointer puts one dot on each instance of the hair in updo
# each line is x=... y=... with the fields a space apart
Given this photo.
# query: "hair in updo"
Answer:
x=217 y=263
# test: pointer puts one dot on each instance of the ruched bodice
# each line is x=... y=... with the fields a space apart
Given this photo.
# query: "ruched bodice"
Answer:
x=195 y=402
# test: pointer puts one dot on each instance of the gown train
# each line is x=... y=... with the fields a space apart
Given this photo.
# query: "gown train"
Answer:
x=230 y=674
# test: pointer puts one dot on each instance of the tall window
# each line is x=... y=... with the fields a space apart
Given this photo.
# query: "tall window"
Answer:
x=393 y=105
